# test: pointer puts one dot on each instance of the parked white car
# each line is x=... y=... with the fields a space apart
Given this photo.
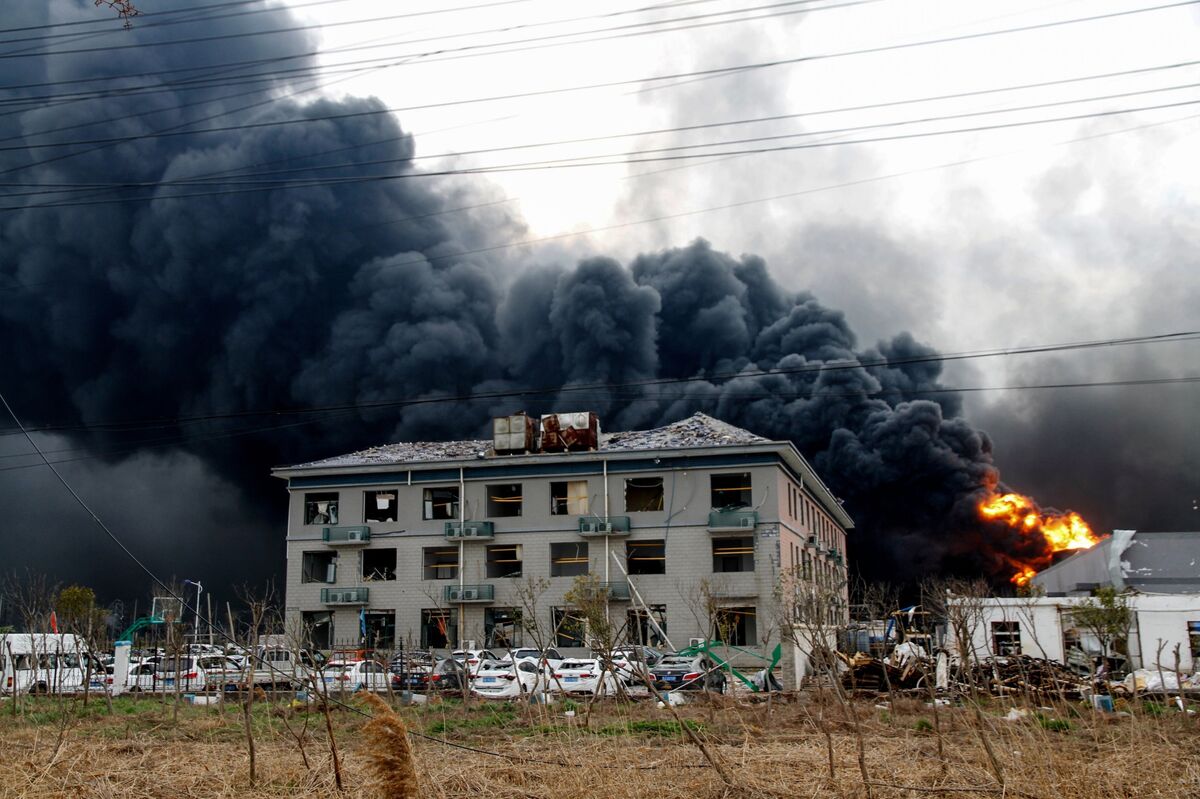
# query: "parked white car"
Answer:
x=473 y=658
x=583 y=677
x=168 y=675
x=633 y=664
x=550 y=657
x=355 y=675
x=498 y=679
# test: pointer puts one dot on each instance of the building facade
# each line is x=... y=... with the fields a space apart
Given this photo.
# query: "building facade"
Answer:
x=1162 y=627
x=448 y=544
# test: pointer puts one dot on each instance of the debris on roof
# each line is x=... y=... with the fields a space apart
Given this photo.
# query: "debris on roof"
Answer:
x=698 y=430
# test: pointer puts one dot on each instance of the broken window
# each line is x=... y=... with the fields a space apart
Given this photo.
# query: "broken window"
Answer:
x=504 y=560
x=381 y=629
x=439 y=563
x=318 y=628
x=441 y=503
x=502 y=628
x=569 y=560
x=1194 y=641
x=321 y=508
x=569 y=498
x=570 y=629
x=646 y=557
x=735 y=626
x=733 y=554
x=643 y=494
x=381 y=506
x=439 y=628
x=504 y=500
x=379 y=564
x=1006 y=638
x=648 y=625
x=318 y=567
x=730 y=490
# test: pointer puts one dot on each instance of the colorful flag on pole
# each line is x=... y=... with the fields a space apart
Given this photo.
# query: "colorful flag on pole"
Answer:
x=53 y=622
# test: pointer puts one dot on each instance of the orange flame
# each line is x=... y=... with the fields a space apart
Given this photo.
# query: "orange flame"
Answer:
x=1059 y=531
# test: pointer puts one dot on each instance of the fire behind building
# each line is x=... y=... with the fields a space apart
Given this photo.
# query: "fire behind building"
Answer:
x=430 y=544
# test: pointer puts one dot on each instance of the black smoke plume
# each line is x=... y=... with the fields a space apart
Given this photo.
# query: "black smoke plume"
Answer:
x=160 y=307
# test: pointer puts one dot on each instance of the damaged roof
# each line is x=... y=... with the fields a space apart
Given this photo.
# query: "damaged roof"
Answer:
x=1151 y=562
x=696 y=431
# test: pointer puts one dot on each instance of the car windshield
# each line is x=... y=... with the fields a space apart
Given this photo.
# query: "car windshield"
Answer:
x=578 y=665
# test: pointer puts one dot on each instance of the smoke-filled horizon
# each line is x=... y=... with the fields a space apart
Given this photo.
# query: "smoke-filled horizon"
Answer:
x=347 y=293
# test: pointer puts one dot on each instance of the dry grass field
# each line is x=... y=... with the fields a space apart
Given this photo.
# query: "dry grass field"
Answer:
x=144 y=749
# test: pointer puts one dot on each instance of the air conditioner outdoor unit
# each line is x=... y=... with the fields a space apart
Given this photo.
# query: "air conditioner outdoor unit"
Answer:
x=604 y=527
x=469 y=593
x=587 y=527
x=748 y=522
x=354 y=535
x=336 y=596
x=695 y=641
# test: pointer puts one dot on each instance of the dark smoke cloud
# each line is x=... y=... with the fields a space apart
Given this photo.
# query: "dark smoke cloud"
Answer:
x=167 y=307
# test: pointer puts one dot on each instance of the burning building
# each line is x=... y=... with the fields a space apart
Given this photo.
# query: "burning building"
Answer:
x=1042 y=533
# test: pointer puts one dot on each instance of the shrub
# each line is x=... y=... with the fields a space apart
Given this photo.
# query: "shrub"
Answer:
x=923 y=726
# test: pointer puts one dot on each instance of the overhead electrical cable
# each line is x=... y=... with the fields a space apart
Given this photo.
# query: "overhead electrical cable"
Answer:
x=732 y=395
x=166 y=85
x=808 y=368
x=616 y=159
x=218 y=37
x=206 y=181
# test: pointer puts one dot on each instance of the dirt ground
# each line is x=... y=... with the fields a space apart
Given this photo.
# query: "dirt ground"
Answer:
x=148 y=748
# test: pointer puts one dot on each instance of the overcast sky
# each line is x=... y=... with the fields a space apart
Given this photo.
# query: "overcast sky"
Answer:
x=1022 y=234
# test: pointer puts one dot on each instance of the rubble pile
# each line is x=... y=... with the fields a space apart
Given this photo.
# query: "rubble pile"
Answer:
x=1022 y=674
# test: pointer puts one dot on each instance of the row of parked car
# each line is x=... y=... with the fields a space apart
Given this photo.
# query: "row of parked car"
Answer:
x=520 y=672
x=56 y=665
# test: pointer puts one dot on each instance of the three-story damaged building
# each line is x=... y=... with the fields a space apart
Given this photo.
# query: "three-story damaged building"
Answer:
x=688 y=527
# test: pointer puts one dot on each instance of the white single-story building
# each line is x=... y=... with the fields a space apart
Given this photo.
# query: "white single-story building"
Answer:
x=1044 y=627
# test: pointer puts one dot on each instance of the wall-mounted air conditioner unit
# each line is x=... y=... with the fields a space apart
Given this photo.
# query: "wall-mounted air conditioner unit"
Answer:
x=748 y=522
x=604 y=527
x=469 y=594
x=587 y=527
x=354 y=535
x=695 y=641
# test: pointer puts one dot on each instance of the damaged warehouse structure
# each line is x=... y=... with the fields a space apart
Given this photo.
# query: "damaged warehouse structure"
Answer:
x=435 y=545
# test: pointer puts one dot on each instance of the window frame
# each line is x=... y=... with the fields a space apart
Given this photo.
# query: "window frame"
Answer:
x=370 y=503
x=661 y=557
x=662 y=494
x=728 y=557
x=429 y=503
x=493 y=503
x=581 y=508
x=746 y=501
x=309 y=510
x=581 y=557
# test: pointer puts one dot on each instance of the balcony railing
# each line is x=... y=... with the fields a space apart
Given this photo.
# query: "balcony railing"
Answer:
x=346 y=536
x=601 y=526
x=616 y=591
x=729 y=520
x=480 y=531
x=470 y=593
x=345 y=596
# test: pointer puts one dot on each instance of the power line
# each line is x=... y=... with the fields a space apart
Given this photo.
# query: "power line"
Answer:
x=193 y=9
x=621 y=159
x=160 y=85
x=393 y=17
x=208 y=181
x=811 y=368
x=730 y=395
